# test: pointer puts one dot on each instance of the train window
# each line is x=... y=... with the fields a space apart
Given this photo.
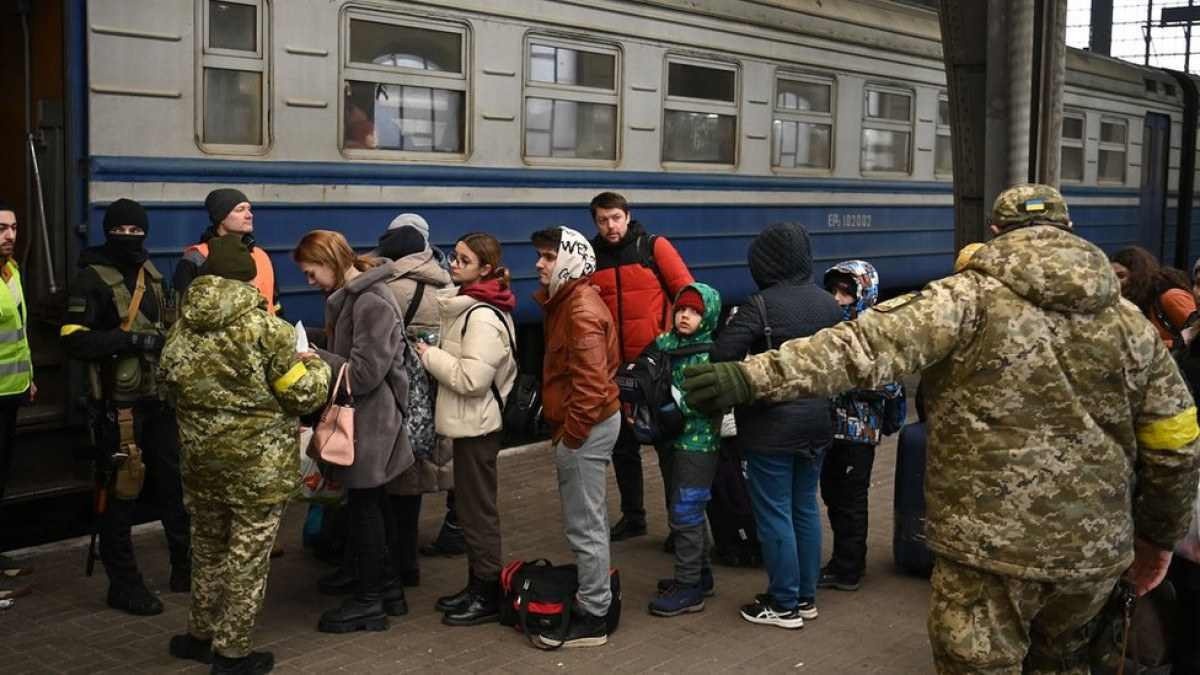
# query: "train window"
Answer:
x=943 y=147
x=1111 y=160
x=571 y=101
x=232 y=76
x=700 y=113
x=887 y=130
x=1071 y=152
x=404 y=85
x=802 y=128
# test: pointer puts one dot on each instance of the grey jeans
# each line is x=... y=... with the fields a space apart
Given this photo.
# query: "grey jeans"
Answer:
x=582 y=483
x=692 y=476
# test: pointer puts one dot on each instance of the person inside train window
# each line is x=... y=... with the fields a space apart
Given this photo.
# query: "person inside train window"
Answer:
x=229 y=211
x=360 y=130
x=116 y=322
x=638 y=274
x=1161 y=293
x=16 y=381
x=238 y=426
x=580 y=403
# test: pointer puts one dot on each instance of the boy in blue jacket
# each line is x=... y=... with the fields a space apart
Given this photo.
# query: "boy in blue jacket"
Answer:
x=860 y=420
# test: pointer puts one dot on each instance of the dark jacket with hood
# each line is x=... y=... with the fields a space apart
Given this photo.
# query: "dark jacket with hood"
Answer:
x=780 y=261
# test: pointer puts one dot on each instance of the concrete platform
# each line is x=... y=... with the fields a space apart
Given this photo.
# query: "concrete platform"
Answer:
x=65 y=627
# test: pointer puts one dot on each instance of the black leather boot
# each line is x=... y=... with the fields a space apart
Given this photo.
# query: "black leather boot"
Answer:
x=457 y=601
x=394 y=602
x=254 y=663
x=483 y=606
x=361 y=611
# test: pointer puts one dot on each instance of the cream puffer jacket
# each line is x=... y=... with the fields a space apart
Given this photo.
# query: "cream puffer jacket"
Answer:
x=466 y=364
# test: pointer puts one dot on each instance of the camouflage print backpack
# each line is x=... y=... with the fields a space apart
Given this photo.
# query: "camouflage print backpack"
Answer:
x=422 y=391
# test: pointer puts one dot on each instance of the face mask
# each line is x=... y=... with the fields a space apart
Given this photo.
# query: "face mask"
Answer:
x=126 y=249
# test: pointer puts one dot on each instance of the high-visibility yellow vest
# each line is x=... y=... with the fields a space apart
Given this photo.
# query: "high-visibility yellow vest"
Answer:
x=16 y=363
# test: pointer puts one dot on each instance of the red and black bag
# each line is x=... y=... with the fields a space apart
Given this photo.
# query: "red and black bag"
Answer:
x=536 y=597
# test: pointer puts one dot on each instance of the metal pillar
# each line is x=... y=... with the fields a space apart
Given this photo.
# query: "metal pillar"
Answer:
x=1005 y=100
x=1100 y=41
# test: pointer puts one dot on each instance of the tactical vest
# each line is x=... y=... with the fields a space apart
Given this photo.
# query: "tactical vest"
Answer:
x=133 y=377
x=264 y=277
x=16 y=364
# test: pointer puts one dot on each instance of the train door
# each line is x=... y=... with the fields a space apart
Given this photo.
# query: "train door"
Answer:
x=1156 y=139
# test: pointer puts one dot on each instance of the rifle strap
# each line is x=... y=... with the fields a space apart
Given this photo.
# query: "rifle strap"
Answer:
x=135 y=303
x=125 y=428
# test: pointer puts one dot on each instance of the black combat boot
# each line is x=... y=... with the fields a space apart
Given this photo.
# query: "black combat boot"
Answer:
x=483 y=606
x=188 y=646
x=363 y=610
x=457 y=601
x=450 y=541
x=394 y=603
x=254 y=663
x=132 y=596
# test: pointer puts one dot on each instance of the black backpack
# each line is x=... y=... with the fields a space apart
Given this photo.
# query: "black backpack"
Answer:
x=647 y=402
x=521 y=413
x=536 y=597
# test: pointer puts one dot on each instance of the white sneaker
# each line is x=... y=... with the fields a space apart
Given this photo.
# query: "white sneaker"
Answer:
x=765 y=612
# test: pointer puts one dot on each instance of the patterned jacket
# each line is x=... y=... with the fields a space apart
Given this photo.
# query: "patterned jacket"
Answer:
x=1059 y=426
x=699 y=433
x=232 y=370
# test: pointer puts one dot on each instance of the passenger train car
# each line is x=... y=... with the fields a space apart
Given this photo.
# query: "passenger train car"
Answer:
x=714 y=117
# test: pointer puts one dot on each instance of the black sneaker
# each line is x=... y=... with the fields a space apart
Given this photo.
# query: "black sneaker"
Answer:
x=765 y=612
x=707 y=584
x=585 y=631
x=190 y=647
x=134 y=598
x=627 y=528
x=254 y=663
x=838 y=582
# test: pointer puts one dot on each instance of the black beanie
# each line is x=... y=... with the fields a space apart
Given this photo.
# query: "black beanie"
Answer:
x=229 y=257
x=402 y=241
x=781 y=252
x=125 y=212
x=220 y=202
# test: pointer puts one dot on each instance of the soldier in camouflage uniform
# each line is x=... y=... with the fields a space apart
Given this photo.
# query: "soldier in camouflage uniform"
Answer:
x=1062 y=439
x=239 y=387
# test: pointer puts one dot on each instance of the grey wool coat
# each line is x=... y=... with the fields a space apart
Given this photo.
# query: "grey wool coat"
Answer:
x=366 y=330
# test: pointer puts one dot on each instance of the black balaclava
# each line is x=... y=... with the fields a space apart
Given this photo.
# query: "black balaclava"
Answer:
x=126 y=250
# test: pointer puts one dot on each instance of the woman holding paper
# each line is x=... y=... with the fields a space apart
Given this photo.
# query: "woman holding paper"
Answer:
x=365 y=332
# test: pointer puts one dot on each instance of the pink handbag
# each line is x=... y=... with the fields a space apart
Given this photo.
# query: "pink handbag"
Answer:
x=333 y=437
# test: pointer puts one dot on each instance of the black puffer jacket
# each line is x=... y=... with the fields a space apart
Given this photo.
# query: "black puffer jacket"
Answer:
x=781 y=263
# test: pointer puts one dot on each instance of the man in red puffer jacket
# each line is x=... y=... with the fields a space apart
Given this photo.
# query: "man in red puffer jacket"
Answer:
x=638 y=274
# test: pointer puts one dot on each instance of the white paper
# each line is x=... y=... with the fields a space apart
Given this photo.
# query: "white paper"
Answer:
x=301 y=338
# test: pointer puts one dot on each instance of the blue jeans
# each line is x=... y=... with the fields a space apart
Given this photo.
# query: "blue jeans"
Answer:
x=783 y=495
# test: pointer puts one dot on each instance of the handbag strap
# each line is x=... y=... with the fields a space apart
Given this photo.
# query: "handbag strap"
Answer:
x=337 y=385
x=414 y=303
x=760 y=303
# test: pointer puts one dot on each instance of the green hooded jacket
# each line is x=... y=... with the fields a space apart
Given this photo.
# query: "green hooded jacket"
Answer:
x=700 y=433
x=231 y=369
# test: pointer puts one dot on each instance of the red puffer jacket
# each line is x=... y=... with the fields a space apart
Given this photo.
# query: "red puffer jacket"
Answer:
x=639 y=304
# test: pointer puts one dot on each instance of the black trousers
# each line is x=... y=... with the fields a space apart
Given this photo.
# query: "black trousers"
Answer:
x=627 y=464
x=406 y=510
x=1185 y=576
x=372 y=533
x=845 y=483
x=8 y=442
x=157 y=436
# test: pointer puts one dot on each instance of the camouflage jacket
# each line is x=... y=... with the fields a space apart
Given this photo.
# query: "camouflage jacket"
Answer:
x=233 y=373
x=1059 y=426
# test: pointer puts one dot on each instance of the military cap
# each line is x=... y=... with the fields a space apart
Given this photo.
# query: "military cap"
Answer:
x=1029 y=204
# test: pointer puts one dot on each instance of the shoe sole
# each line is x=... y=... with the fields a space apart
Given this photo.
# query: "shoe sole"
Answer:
x=808 y=614
x=363 y=624
x=787 y=624
x=681 y=610
x=546 y=643
x=138 y=612
x=17 y=572
x=712 y=592
x=491 y=618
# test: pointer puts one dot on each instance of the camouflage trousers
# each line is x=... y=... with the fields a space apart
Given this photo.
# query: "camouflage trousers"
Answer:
x=985 y=623
x=231 y=556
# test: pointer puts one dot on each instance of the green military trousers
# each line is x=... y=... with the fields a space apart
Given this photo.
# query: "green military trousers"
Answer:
x=231 y=556
x=986 y=623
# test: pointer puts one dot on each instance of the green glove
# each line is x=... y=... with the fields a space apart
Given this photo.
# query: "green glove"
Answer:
x=713 y=388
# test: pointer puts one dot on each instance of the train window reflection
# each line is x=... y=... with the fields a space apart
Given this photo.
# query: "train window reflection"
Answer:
x=887 y=131
x=803 y=96
x=1070 y=159
x=699 y=137
x=232 y=25
x=232 y=107
x=555 y=128
x=943 y=146
x=1110 y=166
x=1071 y=163
x=700 y=113
x=884 y=150
x=399 y=117
x=802 y=128
x=572 y=105
x=1112 y=132
x=411 y=47
x=889 y=106
x=692 y=81
x=562 y=65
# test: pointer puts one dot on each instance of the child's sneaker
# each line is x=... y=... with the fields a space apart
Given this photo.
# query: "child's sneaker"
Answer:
x=764 y=611
x=584 y=630
x=678 y=599
x=707 y=584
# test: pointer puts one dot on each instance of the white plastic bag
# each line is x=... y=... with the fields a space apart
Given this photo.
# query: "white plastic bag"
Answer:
x=315 y=487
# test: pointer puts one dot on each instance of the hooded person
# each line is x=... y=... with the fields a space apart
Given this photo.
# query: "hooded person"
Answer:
x=421 y=226
x=115 y=323
x=783 y=443
x=240 y=388
x=580 y=402
x=229 y=212
x=690 y=458
x=861 y=418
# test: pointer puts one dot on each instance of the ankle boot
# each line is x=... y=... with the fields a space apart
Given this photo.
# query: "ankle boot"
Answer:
x=456 y=602
x=483 y=606
x=254 y=663
x=394 y=602
x=338 y=582
x=361 y=611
